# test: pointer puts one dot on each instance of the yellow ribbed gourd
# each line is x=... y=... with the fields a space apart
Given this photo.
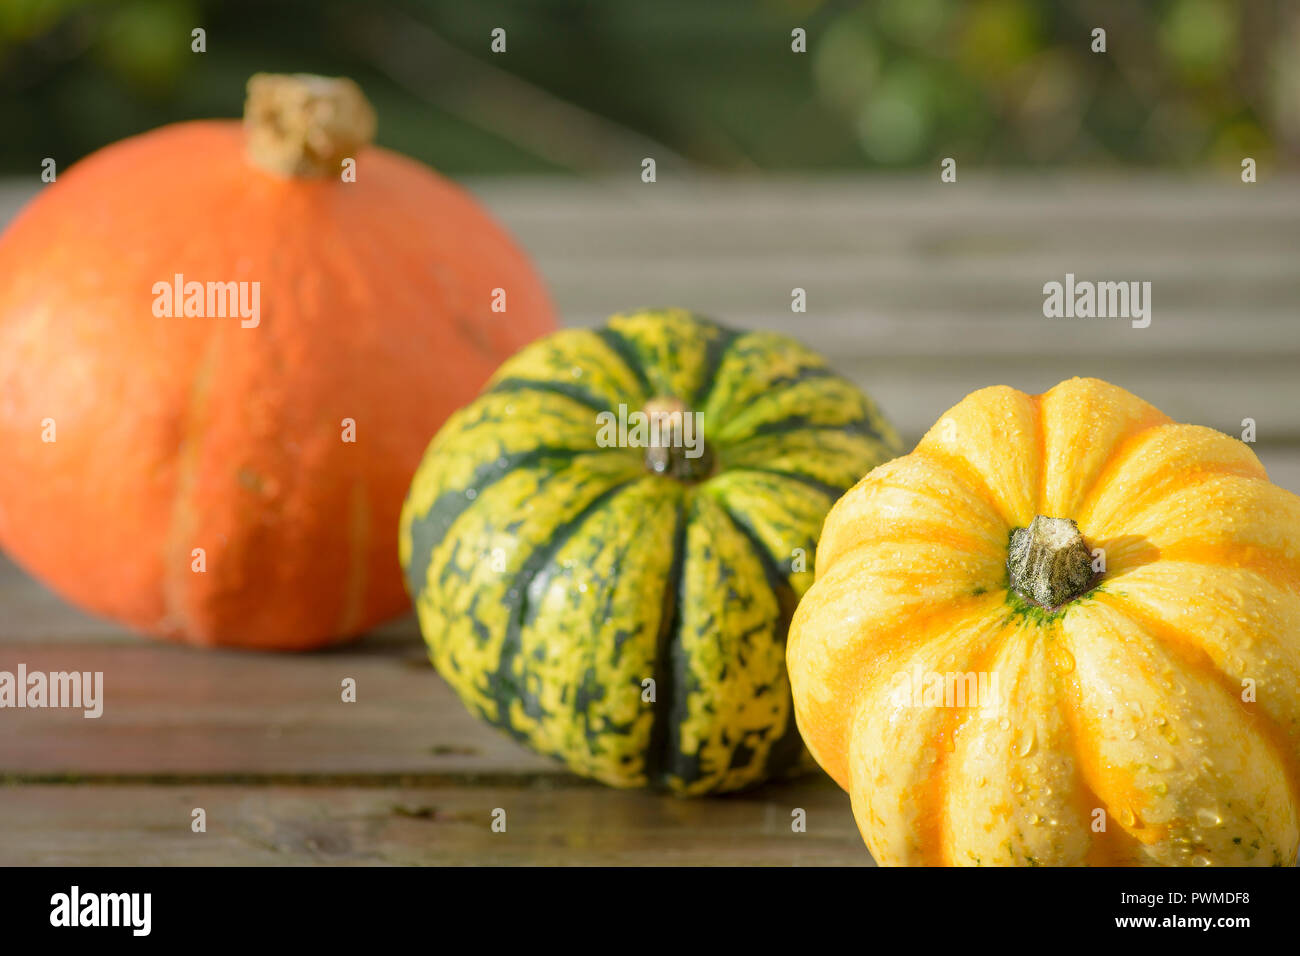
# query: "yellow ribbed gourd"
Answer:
x=1063 y=631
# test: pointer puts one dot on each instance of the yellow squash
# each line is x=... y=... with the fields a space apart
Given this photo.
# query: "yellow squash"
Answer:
x=1063 y=631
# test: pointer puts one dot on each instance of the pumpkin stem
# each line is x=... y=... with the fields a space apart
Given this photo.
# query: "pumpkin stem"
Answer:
x=1049 y=563
x=675 y=447
x=304 y=125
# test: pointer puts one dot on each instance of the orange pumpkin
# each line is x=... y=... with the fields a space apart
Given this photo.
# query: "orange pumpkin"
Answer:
x=231 y=473
x=1063 y=630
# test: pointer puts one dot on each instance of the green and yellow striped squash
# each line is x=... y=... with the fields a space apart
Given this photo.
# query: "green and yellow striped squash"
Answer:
x=623 y=611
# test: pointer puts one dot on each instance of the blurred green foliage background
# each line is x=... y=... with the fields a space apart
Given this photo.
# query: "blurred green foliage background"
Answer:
x=585 y=87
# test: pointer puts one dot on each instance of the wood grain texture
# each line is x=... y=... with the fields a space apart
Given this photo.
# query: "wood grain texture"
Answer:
x=556 y=825
x=920 y=292
x=171 y=711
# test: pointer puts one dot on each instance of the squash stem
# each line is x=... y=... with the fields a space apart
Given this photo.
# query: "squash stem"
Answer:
x=676 y=447
x=1049 y=563
x=304 y=125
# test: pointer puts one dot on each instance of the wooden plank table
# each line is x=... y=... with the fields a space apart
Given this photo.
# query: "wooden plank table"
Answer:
x=920 y=292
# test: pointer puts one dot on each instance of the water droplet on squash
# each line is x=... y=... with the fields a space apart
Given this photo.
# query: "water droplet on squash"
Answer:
x=1208 y=818
x=1025 y=746
x=1062 y=659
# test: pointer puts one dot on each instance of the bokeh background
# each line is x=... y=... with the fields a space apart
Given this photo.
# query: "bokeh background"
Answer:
x=888 y=84
x=817 y=170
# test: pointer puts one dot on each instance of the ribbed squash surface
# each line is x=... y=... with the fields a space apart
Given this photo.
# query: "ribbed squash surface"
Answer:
x=1163 y=704
x=553 y=577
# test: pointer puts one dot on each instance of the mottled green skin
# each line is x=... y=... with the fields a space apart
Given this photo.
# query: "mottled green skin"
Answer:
x=553 y=577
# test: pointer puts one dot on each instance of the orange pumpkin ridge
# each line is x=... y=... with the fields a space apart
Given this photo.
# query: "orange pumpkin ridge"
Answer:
x=187 y=432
